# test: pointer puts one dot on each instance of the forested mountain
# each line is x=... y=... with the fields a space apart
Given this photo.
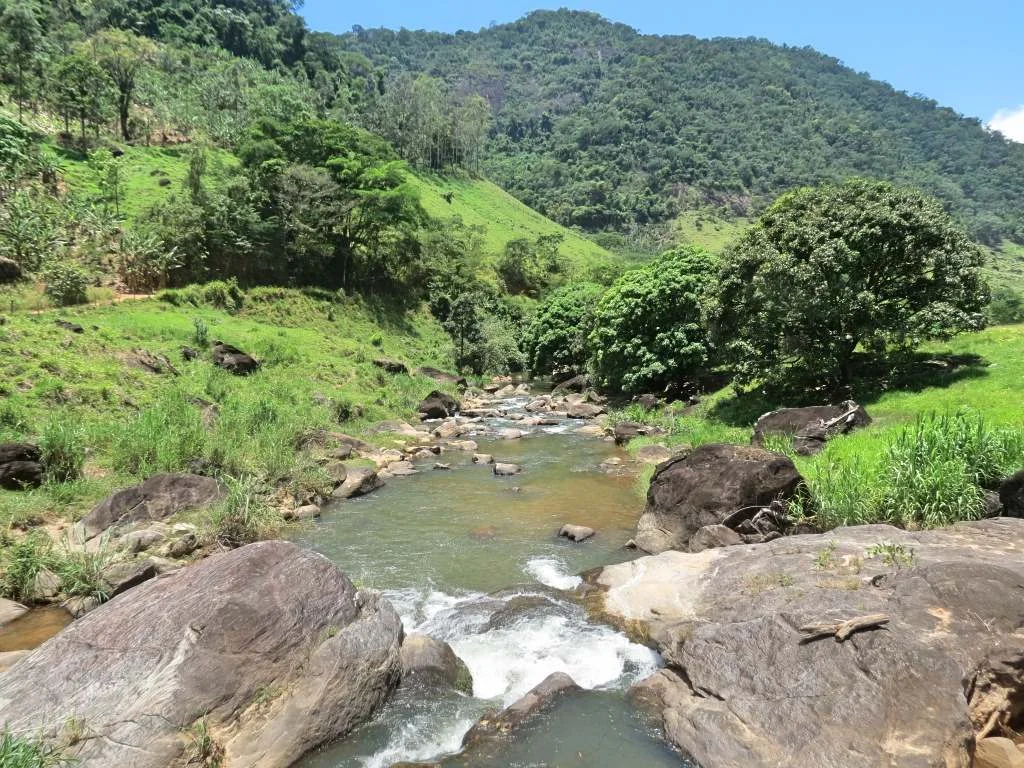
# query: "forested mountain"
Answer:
x=599 y=126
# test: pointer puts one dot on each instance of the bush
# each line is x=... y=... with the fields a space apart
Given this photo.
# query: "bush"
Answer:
x=245 y=515
x=558 y=337
x=62 y=443
x=648 y=330
x=66 y=284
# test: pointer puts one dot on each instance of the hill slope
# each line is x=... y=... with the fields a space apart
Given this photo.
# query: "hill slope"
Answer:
x=599 y=126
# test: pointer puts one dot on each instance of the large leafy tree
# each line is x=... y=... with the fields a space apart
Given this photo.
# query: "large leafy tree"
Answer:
x=81 y=91
x=648 y=330
x=558 y=338
x=124 y=56
x=21 y=42
x=833 y=271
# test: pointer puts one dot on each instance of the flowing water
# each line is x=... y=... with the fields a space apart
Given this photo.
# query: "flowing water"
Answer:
x=473 y=559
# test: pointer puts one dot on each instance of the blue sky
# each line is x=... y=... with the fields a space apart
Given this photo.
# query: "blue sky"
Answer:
x=966 y=55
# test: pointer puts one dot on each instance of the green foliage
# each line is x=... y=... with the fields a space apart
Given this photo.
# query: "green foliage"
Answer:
x=66 y=283
x=530 y=268
x=62 y=443
x=831 y=271
x=1006 y=307
x=558 y=338
x=201 y=334
x=892 y=554
x=648 y=330
x=30 y=228
x=21 y=560
x=20 y=751
x=245 y=516
x=82 y=92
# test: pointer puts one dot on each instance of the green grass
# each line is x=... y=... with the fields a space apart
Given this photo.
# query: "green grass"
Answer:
x=28 y=752
x=480 y=203
x=83 y=396
x=707 y=230
x=1006 y=266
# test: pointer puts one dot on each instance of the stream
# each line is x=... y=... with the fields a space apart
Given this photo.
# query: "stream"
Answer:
x=473 y=559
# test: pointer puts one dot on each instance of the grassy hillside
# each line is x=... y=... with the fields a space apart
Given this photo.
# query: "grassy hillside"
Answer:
x=89 y=390
x=480 y=203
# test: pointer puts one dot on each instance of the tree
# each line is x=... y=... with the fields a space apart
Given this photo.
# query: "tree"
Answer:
x=81 y=91
x=23 y=40
x=558 y=339
x=827 y=273
x=124 y=56
x=529 y=268
x=107 y=170
x=648 y=329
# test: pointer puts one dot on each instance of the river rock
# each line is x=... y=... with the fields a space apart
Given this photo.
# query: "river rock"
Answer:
x=79 y=605
x=359 y=482
x=505 y=470
x=511 y=434
x=183 y=546
x=20 y=466
x=575 y=384
x=306 y=512
x=438 y=405
x=1011 y=495
x=402 y=469
x=469 y=446
x=139 y=541
x=120 y=577
x=494 y=728
x=10 y=610
x=741 y=688
x=143 y=668
x=810 y=427
x=625 y=431
x=337 y=471
x=648 y=402
x=583 y=411
x=483 y=458
x=432 y=662
x=441 y=376
x=45 y=586
x=10 y=270
x=706 y=486
x=576 y=532
x=591 y=430
x=234 y=360
x=712 y=536
x=157 y=498
x=652 y=454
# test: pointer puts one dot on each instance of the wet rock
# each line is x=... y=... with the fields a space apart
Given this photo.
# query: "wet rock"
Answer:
x=575 y=384
x=707 y=486
x=441 y=466
x=157 y=498
x=576 y=532
x=441 y=376
x=810 y=427
x=120 y=577
x=391 y=366
x=712 y=536
x=438 y=405
x=469 y=446
x=306 y=512
x=591 y=430
x=10 y=271
x=998 y=752
x=20 y=466
x=483 y=458
x=541 y=404
x=450 y=429
x=10 y=610
x=142 y=668
x=744 y=687
x=511 y=434
x=495 y=728
x=402 y=469
x=430 y=662
x=1011 y=495
x=583 y=411
x=505 y=470
x=234 y=360
x=359 y=482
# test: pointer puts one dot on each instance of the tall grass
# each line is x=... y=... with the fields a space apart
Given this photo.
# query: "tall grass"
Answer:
x=62 y=443
x=245 y=516
x=163 y=437
x=927 y=474
x=28 y=752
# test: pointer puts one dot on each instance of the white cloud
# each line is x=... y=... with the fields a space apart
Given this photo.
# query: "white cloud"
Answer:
x=1009 y=122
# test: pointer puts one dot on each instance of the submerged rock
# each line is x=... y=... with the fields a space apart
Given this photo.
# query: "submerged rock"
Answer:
x=496 y=728
x=207 y=644
x=744 y=685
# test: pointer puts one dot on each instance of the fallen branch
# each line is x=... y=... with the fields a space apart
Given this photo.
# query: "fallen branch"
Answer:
x=842 y=629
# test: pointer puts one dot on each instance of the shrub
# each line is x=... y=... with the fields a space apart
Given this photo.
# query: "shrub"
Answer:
x=66 y=284
x=648 y=329
x=245 y=515
x=62 y=443
x=201 y=332
x=558 y=337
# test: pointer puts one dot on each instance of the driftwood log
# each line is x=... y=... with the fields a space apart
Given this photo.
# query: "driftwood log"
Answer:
x=842 y=629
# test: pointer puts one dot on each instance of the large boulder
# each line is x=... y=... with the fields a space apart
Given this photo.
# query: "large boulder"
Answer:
x=438 y=405
x=708 y=486
x=937 y=664
x=20 y=466
x=583 y=411
x=810 y=427
x=428 y=661
x=579 y=383
x=271 y=646
x=234 y=360
x=10 y=270
x=157 y=498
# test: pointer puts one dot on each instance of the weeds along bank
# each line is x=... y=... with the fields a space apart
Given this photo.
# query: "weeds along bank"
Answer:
x=947 y=427
x=117 y=402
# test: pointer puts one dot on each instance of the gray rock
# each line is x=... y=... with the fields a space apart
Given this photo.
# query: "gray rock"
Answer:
x=79 y=605
x=576 y=532
x=1011 y=495
x=497 y=728
x=214 y=638
x=10 y=610
x=183 y=546
x=810 y=427
x=234 y=360
x=360 y=481
x=483 y=458
x=20 y=466
x=9 y=658
x=441 y=466
x=306 y=512
x=583 y=411
x=438 y=405
x=712 y=536
x=120 y=577
x=157 y=498
x=652 y=454
x=45 y=586
x=441 y=376
x=140 y=541
x=708 y=485
x=337 y=471
x=505 y=470
x=998 y=752
x=741 y=688
x=511 y=434
x=575 y=384
x=392 y=366
x=10 y=271
x=432 y=662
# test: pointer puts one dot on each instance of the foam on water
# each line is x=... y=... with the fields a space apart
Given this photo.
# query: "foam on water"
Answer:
x=419 y=739
x=551 y=572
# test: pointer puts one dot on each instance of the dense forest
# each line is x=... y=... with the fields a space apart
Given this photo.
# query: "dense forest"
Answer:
x=602 y=127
